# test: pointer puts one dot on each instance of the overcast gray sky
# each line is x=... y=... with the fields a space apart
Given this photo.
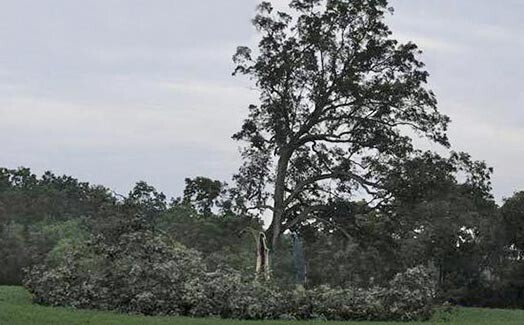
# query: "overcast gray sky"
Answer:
x=116 y=91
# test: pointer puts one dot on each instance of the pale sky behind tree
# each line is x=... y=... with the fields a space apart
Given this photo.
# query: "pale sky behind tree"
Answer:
x=116 y=91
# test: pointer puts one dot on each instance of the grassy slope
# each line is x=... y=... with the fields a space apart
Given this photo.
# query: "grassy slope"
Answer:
x=16 y=309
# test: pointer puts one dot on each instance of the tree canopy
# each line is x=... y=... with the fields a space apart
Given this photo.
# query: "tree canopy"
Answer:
x=339 y=99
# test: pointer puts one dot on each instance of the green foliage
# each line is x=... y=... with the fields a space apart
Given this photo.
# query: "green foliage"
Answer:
x=146 y=199
x=15 y=252
x=35 y=212
x=204 y=194
x=351 y=245
x=443 y=214
x=26 y=198
x=513 y=216
x=502 y=284
x=25 y=245
x=222 y=239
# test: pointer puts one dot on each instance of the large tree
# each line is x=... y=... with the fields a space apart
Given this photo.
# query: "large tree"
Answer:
x=339 y=97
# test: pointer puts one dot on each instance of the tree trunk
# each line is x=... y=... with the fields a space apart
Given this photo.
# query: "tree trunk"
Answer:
x=278 y=198
x=262 y=267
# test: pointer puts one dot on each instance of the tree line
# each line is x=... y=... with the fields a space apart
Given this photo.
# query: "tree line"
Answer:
x=472 y=245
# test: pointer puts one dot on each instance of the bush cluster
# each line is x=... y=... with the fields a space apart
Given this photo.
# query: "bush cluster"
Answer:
x=139 y=271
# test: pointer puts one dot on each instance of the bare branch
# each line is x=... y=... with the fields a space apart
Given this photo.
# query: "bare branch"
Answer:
x=303 y=216
x=299 y=188
x=260 y=207
x=334 y=224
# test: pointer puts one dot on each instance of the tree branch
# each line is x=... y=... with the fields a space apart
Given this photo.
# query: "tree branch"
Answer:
x=335 y=175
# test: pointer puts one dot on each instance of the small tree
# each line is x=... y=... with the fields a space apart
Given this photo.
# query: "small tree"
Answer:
x=337 y=94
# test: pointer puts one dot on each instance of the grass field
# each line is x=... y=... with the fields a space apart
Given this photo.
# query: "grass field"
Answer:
x=16 y=309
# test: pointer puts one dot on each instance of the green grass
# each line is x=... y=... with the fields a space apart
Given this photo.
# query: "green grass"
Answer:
x=16 y=309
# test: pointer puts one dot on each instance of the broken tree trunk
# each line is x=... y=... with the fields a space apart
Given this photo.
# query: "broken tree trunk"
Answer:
x=262 y=268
